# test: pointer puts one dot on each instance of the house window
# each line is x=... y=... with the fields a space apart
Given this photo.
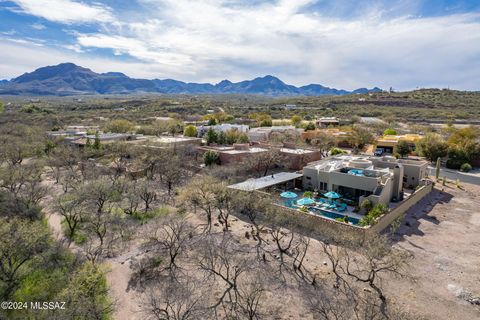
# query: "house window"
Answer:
x=309 y=178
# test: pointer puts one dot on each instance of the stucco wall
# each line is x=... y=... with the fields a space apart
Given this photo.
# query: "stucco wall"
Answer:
x=331 y=228
x=387 y=219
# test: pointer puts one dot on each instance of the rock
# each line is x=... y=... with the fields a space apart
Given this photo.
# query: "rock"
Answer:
x=325 y=263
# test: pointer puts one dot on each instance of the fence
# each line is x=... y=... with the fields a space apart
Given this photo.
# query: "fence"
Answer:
x=323 y=226
x=387 y=219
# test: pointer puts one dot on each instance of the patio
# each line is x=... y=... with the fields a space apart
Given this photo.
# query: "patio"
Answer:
x=329 y=207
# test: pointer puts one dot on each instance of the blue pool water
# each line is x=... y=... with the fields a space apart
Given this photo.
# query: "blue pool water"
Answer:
x=332 y=215
x=323 y=213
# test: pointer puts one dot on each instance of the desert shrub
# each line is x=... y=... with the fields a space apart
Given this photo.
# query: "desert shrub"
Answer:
x=119 y=126
x=210 y=158
x=454 y=163
x=389 y=132
x=335 y=151
x=190 y=131
x=466 y=167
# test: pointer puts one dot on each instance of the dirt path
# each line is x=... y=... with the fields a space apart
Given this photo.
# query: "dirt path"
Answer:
x=126 y=301
x=445 y=240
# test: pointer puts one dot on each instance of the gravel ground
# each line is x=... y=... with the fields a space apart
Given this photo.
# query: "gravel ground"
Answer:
x=443 y=233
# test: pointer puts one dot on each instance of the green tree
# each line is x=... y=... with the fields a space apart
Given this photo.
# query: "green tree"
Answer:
x=242 y=138
x=432 y=147
x=310 y=126
x=190 y=131
x=119 y=126
x=87 y=294
x=263 y=119
x=403 y=148
x=360 y=137
x=2 y=107
x=210 y=158
x=222 y=138
x=20 y=242
x=211 y=136
x=296 y=120
x=212 y=122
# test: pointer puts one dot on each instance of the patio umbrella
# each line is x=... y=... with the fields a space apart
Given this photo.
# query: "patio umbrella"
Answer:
x=305 y=201
x=288 y=195
x=332 y=195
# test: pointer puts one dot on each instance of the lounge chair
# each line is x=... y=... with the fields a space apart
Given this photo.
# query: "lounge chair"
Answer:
x=342 y=207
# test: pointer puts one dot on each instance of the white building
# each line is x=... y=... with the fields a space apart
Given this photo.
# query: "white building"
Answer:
x=224 y=127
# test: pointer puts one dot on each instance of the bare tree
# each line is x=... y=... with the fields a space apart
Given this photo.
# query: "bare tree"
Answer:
x=324 y=142
x=220 y=262
x=200 y=193
x=174 y=300
x=261 y=162
x=373 y=258
x=224 y=198
x=251 y=297
x=170 y=236
x=147 y=194
x=70 y=207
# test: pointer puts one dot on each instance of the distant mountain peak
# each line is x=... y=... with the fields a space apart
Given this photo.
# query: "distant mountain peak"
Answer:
x=71 y=79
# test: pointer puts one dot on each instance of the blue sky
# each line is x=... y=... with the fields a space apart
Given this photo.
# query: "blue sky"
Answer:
x=348 y=44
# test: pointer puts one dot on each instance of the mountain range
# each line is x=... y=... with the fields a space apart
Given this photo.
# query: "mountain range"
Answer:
x=69 y=79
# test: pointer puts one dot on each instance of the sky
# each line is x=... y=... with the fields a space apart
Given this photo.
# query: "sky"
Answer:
x=345 y=44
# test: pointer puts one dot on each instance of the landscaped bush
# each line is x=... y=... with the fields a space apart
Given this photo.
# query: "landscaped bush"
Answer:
x=335 y=151
x=466 y=167
x=454 y=163
x=308 y=194
x=210 y=158
x=373 y=214
x=190 y=131
x=389 y=132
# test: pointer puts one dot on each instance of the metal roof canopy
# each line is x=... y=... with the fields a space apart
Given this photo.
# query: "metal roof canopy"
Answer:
x=267 y=181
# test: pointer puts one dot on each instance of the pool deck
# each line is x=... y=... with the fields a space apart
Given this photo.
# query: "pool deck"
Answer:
x=349 y=212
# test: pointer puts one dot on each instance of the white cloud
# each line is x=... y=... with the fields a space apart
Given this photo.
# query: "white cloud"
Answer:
x=38 y=26
x=66 y=11
x=209 y=40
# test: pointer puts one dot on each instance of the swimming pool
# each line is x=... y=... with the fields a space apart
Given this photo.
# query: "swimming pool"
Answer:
x=332 y=215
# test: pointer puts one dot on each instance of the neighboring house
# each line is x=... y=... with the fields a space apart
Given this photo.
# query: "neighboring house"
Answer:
x=169 y=141
x=105 y=138
x=292 y=158
x=342 y=137
x=224 y=127
x=380 y=180
x=388 y=143
x=327 y=122
x=264 y=134
x=233 y=154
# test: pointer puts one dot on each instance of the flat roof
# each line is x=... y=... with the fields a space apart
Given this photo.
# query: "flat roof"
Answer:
x=267 y=181
x=250 y=150
x=296 y=151
x=168 y=139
